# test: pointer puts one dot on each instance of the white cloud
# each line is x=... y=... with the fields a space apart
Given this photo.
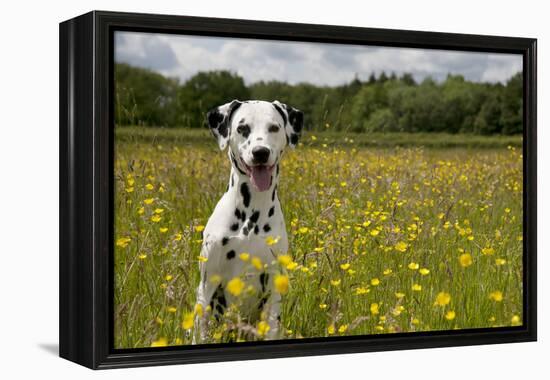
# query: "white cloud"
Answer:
x=294 y=62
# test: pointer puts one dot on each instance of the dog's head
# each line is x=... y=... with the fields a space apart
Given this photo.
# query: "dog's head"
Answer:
x=257 y=133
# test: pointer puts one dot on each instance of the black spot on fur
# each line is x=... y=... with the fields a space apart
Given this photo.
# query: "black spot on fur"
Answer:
x=235 y=227
x=238 y=213
x=277 y=170
x=274 y=192
x=256 y=229
x=281 y=112
x=233 y=180
x=262 y=302
x=267 y=228
x=230 y=255
x=264 y=280
x=225 y=240
x=250 y=225
x=255 y=216
x=245 y=192
x=243 y=215
x=246 y=231
x=218 y=302
x=294 y=138
x=271 y=211
x=244 y=130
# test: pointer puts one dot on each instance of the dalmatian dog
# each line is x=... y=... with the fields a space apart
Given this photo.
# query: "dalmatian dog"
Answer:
x=256 y=134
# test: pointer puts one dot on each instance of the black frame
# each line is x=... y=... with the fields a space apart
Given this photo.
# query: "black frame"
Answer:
x=86 y=188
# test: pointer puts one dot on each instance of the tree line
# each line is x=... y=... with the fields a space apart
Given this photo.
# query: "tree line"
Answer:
x=383 y=103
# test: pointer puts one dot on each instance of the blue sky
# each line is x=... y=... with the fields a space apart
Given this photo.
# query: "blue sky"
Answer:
x=295 y=62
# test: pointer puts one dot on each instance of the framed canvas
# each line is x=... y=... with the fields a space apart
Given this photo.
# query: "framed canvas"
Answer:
x=235 y=189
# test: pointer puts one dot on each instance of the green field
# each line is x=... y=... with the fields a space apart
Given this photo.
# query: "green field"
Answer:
x=388 y=233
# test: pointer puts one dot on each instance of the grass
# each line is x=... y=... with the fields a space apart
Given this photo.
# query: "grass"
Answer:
x=383 y=238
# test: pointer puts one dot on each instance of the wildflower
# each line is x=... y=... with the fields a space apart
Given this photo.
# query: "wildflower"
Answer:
x=270 y=240
x=202 y=259
x=488 y=251
x=158 y=211
x=374 y=232
x=130 y=189
x=375 y=282
x=343 y=183
x=330 y=329
x=199 y=228
x=281 y=283
x=500 y=262
x=303 y=230
x=361 y=290
x=235 y=286
x=374 y=308
x=149 y=186
x=335 y=282
x=399 y=295
x=262 y=328
x=345 y=266
x=424 y=271
x=284 y=260
x=496 y=296
x=465 y=260
x=148 y=201
x=163 y=230
x=168 y=277
x=142 y=256
x=291 y=266
x=178 y=236
x=123 y=242
x=401 y=246
x=244 y=256
x=172 y=309
x=160 y=342
x=450 y=315
x=413 y=266
x=141 y=211
x=159 y=320
x=342 y=329
x=188 y=321
x=415 y=321
x=322 y=306
x=416 y=287
x=442 y=299
x=387 y=272
x=257 y=263
x=156 y=218
x=516 y=321
x=198 y=309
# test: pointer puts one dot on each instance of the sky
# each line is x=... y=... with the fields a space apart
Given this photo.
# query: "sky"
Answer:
x=296 y=62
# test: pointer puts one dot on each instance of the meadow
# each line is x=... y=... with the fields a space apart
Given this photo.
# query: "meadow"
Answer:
x=388 y=233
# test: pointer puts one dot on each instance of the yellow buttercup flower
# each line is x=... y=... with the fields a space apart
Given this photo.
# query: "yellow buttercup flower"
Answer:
x=345 y=266
x=442 y=299
x=160 y=342
x=244 y=256
x=281 y=283
x=199 y=228
x=172 y=309
x=450 y=315
x=500 y=262
x=262 y=328
x=257 y=263
x=188 y=321
x=399 y=295
x=123 y=242
x=330 y=329
x=323 y=306
x=284 y=260
x=148 y=201
x=342 y=329
x=163 y=230
x=401 y=246
x=375 y=282
x=156 y=218
x=335 y=282
x=416 y=287
x=465 y=260
x=168 y=277
x=270 y=240
x=291 y=266
x=235 y=286
x=198 y=310
x=374 y=308
x=142 y=256
x=149 y=186
x=496 y=296
x=158 y=211
x=387 y=272
x=516 y=321
x=424 y=271
x=413 y=266
x=202 y=259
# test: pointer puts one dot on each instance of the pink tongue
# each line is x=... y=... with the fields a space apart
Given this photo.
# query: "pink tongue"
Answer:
x=260 y=177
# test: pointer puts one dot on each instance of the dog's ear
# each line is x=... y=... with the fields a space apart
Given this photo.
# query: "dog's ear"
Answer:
x=294 y=122
x=218 y=120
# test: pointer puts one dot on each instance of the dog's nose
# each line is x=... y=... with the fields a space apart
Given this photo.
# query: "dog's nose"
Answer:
x=260 y=154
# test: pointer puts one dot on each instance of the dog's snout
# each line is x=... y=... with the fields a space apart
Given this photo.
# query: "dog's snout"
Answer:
x=260 y=154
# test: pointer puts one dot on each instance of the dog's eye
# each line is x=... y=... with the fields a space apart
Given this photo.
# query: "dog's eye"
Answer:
x=243 y=129
x=273 y=128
